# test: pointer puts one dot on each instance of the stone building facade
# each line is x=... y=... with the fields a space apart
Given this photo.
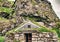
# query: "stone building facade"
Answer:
x=32 y=36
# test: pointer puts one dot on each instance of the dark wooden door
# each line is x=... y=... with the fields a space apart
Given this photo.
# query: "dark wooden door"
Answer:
x=28 y=37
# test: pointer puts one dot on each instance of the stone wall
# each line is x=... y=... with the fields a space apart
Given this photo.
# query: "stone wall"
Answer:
x=44 y=37
x=36 y=37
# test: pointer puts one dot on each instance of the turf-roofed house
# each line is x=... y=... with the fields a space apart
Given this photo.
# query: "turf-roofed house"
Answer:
x=30 y=32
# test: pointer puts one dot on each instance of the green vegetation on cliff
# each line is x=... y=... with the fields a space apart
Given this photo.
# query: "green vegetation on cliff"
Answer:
x=4 y=9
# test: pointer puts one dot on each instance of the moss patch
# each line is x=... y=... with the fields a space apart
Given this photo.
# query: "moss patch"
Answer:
x=2 y=38
x=34 y=2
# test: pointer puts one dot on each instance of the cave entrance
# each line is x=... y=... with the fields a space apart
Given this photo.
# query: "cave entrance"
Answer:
x=28 y=37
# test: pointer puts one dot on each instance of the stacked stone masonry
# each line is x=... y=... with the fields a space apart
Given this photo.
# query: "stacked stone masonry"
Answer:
x=36 y=37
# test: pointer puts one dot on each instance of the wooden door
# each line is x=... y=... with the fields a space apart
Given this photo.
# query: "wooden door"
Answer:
x=28 y=37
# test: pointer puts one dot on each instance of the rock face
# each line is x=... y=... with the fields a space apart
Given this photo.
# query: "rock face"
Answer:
x=41 y=8
x=5 y=3
x=6 y=17
x=37 y=10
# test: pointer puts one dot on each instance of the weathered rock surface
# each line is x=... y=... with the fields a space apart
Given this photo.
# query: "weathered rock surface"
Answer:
x=38 y=9
x=6 y=3
x=7 y=20
x=42 y=8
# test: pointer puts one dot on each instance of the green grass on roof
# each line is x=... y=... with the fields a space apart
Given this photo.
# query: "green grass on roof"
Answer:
x=41 y=29
x=14 y=30
x=57 y=31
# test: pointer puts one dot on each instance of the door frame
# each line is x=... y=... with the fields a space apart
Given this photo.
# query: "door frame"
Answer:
x=28 y=36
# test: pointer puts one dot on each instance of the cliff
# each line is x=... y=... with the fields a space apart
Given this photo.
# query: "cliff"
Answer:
x=14 y=13
x=36 y=10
